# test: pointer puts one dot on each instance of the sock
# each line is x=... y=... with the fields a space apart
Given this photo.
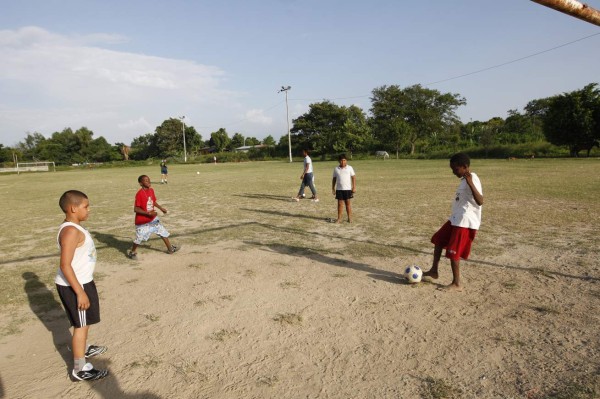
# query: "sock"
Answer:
x=78 y=364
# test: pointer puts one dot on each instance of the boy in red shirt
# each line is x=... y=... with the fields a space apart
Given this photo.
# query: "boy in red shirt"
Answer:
x=146 y=218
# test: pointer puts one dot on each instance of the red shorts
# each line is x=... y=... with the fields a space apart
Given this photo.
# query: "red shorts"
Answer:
x=455 y=240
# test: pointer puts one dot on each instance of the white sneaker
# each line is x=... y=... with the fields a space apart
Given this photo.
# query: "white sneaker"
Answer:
x=316 y=200
x=295 y=199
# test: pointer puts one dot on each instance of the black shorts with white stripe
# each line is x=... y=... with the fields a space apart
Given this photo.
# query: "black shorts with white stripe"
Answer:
x=80 y=318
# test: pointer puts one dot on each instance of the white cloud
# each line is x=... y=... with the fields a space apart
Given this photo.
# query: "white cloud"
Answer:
x=258 y=116
x=52 y=81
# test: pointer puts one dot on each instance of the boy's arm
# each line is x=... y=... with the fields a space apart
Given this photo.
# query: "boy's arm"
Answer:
x=141 y=211
x=160 y=207
x=476 y=194
x=354 y=183
x=70 y=238
x=333 y=185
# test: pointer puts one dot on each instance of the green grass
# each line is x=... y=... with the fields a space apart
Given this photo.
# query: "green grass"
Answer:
x=549 y=203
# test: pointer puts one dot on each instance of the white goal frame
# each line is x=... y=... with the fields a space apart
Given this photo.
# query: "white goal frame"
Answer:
x=35 y=166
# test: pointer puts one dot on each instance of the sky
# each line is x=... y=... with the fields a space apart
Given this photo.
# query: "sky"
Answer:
x=120 y=68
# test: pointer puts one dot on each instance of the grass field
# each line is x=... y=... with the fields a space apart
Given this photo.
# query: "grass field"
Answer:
x=398 y=205
x=545 y=204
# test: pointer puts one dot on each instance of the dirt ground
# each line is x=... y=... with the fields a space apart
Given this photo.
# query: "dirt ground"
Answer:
x=247 y=320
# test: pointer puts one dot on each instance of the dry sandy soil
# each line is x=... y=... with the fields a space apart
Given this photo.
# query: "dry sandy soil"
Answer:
x=244 y=320
x=261 y=317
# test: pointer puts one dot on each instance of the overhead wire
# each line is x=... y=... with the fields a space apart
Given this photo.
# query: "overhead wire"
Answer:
x=434 y=82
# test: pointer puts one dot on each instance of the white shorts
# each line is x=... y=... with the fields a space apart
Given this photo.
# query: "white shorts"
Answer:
x=144 y=231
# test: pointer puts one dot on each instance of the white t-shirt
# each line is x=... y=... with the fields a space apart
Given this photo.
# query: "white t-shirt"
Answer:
x=343 y=177
x=308 y=161
x=465 y=211
x=84 y=259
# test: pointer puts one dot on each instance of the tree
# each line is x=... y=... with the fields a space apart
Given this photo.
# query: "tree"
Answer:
x=236 y=141
x=99 y=150
x=329 y=128
x=220 y=139
x=426 y=112
x=269 y=140
x=144 y=147
x=573 y=119
x=5 y=154
x=30 y=146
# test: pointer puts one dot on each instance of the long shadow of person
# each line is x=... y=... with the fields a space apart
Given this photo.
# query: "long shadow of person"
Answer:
x=112 y=241
x=45 y=306
x=109 y=387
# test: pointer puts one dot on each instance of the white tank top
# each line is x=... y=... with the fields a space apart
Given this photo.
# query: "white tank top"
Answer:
x=84 y=259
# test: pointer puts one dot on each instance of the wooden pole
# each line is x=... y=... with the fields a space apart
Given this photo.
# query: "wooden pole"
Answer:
x=574 y=8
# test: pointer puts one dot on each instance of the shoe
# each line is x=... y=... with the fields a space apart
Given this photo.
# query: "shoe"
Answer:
x=316 y=200
x=173 y=249
x=303 y=196
x=132 y=255
x=95 y=350
x=296 y=199
x=89 y=373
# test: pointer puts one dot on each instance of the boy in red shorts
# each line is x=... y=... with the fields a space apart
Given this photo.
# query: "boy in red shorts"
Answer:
x=458 y=233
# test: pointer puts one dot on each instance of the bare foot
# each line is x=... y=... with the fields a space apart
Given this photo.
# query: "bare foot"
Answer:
x=431 y=274
x=451 y=287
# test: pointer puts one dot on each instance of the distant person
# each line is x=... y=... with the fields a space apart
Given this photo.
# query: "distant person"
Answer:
x=343 y=186
x=307 y=178
x=146 y=219
x=164 y=172
x=75 y=282
x=215 y=160
x=458 y=233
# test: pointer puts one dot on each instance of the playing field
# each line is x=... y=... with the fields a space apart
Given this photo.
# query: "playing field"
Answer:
x=268 y=299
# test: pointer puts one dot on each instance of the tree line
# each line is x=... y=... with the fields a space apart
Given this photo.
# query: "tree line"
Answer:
x=410 y=121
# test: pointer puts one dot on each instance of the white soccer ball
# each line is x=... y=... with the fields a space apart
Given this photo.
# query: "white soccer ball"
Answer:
x=413 y=274
x=197 y=173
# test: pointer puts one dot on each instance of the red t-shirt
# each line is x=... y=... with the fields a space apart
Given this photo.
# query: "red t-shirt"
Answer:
x=145 y=199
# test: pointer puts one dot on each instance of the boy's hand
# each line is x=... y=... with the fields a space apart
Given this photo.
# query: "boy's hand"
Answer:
x=83 y=302
x=468 y=177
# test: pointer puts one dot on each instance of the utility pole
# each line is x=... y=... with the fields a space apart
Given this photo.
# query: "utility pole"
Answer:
x=287 y=115
x=183 y=131
x=574 y=8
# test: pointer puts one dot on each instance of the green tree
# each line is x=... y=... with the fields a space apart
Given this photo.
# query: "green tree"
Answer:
x=99 y=150
x=5 y=154
x=236 y=141
x=144 y=147
x=329 y=128
x=573 y=119
x=220 y=140
x=30 y=146
x=269 y=140
x=427 y=112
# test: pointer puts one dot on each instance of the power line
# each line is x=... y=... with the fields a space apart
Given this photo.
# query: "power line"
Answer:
x=426 y=84
x=511 y=62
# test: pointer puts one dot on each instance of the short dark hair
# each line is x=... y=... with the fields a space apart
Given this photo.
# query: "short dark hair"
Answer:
x=342 y=156
x=71 y=197
x=141 y=177
x=460 y=159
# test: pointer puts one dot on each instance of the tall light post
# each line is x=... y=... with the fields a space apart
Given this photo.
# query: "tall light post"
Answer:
x=183 y=132
x=287 y=115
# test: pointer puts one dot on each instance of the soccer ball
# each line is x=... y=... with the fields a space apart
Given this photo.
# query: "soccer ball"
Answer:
x=303 y=195
x=197 y=173
x=413 y=274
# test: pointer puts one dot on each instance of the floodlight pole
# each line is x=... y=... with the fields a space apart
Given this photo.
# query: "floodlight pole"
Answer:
x=183 y=131
x=287 y=117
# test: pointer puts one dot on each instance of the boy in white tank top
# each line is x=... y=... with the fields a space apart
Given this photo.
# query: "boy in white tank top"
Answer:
x=75 y=282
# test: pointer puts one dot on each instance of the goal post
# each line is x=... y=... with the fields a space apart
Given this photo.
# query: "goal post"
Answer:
x=35 y=167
